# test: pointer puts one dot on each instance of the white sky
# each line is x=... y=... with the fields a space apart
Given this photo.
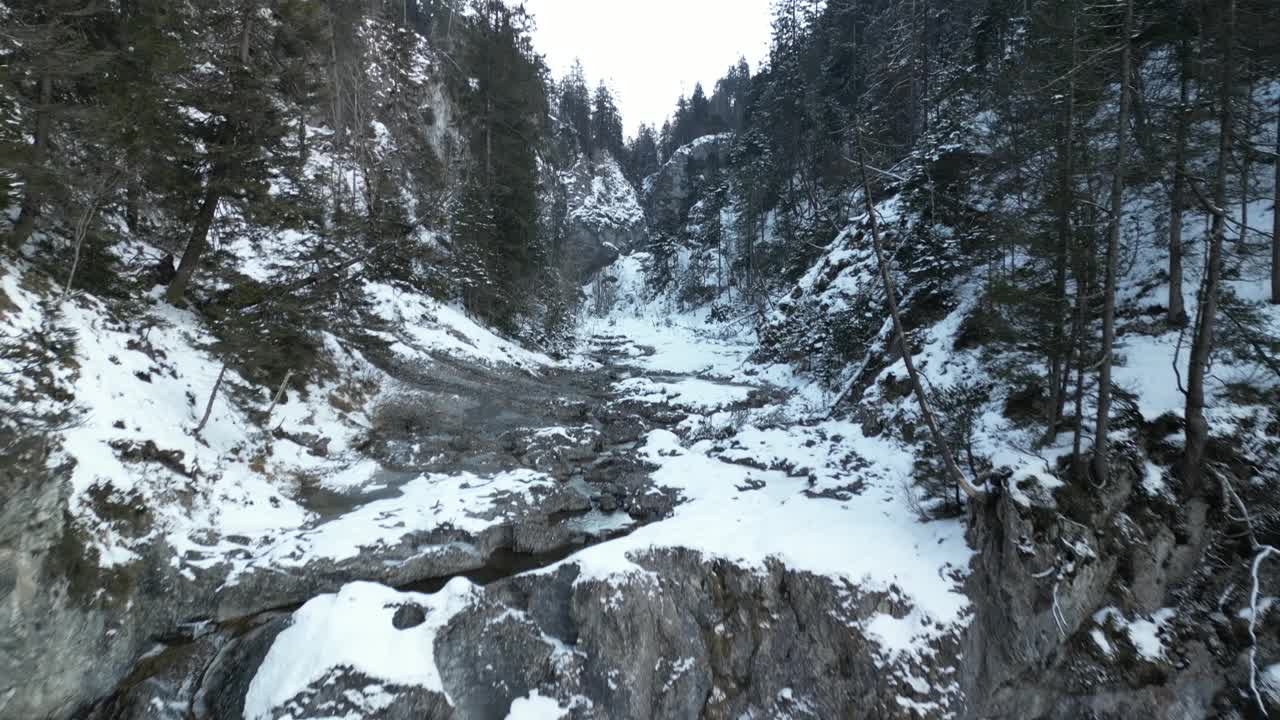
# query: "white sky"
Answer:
x=650 y=51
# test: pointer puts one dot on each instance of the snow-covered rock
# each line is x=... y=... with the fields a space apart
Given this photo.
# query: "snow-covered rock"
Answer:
x=603 y=216
x=669 y=193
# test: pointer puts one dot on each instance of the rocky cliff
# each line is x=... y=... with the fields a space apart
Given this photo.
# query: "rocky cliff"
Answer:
x=603 y=218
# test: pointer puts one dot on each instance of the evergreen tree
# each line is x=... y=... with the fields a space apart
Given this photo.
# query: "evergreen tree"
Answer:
x=666 y=141
x=48 y=46
x=606 y=123
x=699 y=113
x=506 y=102
x=233 y=127
x=575 y=107
x=642 y=155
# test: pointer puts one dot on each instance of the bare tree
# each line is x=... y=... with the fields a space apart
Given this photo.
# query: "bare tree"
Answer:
x=96 y=197
x=904 y=347
x=1100 y=440
x=213 y=395
x=1197 y=431
x=1060 y=356
x=1177 y=308
x=1275 y=220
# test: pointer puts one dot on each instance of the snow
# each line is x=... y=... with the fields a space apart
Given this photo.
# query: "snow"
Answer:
x=1269 y=682
x=429 y=326
x=536 y=707
x=1143 y=633
x=463 y=501
x=140 y=387
x=352 y=630
x=691 y=393
x=1100 y=639
x=1153 y=481
x=600 y=196
x=827 y=492
x=152 y=387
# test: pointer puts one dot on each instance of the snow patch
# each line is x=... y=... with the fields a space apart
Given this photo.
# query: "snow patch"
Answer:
x=352 y=630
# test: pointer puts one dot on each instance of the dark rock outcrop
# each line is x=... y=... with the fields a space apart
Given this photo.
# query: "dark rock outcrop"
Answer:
x=1072 y=588
x=670 y=193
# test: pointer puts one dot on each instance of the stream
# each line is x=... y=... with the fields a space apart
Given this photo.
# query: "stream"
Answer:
x=456 y=418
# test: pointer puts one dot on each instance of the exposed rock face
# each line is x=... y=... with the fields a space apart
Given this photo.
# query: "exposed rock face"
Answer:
x=689 y=637
x=673 y=190
x=603 y=218
x=72 y=633
x=695 y=637
x=61 y=641
x=1097 y=604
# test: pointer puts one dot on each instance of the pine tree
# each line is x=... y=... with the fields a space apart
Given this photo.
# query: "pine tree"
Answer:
x=48 y=48
x=666 y=141
x=1202 y=344
x=1101 y=457
x=642 y=155
x=575 y=107
x=506 y=102
x=233 y=127
x=606 y=123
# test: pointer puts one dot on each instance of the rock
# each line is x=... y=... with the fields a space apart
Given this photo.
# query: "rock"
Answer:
x=409 y=615
x=670 y=194
x=1051 y=667
x=488 y=657
x=558 y=452
x=603 y=220
x=690 y=637
x=226 y=679
x=315 y=444
x=623 y=427
x=161 y=272
x=565 y=500
x=147 y=451
x=348 y=694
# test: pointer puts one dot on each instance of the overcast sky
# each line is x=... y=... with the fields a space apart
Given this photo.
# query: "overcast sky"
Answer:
x=650 y=51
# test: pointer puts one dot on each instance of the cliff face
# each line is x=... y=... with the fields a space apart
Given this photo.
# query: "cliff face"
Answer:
x=675 y=188
x=603 y=218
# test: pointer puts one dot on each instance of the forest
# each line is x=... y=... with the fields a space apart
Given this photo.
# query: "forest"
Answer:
x=356 y=363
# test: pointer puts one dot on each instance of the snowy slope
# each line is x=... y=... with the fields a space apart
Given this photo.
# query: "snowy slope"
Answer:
x=138 y=388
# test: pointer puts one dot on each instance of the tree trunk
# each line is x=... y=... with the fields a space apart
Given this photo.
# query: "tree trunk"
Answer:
x=1177 y=309
x=82 y=226
x=196 y=245
x=302 y=140
x=1197 y=431
x=904 y=347
x=213 y=395
x=131 y=205
x=335 y=88
x=1083 y=282
x=199 y=238
x=40 y=149
x=1275 y=220
x=1101 y=461
x=1245 y=169
x=246 y=32
x=1059 y=355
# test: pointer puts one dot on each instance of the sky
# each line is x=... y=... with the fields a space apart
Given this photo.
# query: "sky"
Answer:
x=650 y=51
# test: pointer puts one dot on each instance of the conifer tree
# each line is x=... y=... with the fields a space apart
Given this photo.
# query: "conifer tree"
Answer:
x=606 y=123
x=642 y=155
x=233 y=127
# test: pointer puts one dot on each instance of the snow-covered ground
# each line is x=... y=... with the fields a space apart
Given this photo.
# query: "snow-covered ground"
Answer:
x=779 y=485
x=232 y=494
x=778 y=481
